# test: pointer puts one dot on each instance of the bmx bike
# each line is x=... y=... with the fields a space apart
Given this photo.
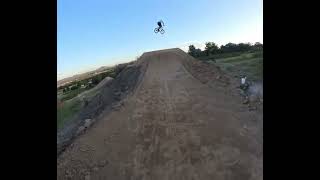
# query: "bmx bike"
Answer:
x=156 y=30
x=160 y=28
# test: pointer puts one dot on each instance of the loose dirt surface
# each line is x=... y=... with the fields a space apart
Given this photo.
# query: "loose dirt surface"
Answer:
x=178 y=124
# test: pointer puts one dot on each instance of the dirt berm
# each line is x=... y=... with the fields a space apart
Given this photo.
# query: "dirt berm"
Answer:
x=107 y=96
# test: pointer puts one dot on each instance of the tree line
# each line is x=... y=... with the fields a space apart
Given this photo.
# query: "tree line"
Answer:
x=212 y=48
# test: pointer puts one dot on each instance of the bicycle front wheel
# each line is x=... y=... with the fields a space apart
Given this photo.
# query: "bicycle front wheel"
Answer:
x=162 y=31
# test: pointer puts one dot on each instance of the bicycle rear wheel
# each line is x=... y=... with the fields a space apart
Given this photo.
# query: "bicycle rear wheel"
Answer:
x=156 y=30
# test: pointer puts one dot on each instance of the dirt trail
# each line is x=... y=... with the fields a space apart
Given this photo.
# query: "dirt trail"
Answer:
x=173 y=127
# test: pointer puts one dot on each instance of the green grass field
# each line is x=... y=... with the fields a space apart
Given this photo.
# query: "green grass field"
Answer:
x=249 y=64
x=71 y=94
x=67 y=110
x=70 y=107
x=71 y=104
x=220 y=56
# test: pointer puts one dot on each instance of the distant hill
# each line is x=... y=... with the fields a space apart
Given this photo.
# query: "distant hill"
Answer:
x=81 y=76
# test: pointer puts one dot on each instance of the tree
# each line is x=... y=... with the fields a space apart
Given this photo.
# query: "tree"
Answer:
x=198 y=52
x=192 y=50
x=258 y=46
x=195 y=52
x=230 y=47
x=244 y=47
x=211 y=48
x=95 y=80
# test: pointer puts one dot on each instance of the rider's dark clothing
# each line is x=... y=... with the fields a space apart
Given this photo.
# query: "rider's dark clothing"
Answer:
x=159 y=24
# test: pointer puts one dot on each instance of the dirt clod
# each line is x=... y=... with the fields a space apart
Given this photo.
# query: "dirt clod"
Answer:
x=80 y=130
x=103 y=163
x=87 y=123
x=245 y=101
x=87 y=177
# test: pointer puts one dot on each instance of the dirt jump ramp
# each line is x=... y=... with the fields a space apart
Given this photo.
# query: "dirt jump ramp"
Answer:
x=177 y=124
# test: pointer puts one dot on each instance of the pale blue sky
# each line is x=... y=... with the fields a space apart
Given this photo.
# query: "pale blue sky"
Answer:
x=92 y=33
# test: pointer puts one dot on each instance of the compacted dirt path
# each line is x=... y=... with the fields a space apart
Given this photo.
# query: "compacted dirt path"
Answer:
x=172 y=127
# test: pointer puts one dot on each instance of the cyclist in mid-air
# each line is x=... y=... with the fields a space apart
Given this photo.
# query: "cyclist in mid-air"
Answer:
x=160 y=24
x=160 y=28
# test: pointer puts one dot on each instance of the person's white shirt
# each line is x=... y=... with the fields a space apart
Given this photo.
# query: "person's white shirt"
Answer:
x=243 y=80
